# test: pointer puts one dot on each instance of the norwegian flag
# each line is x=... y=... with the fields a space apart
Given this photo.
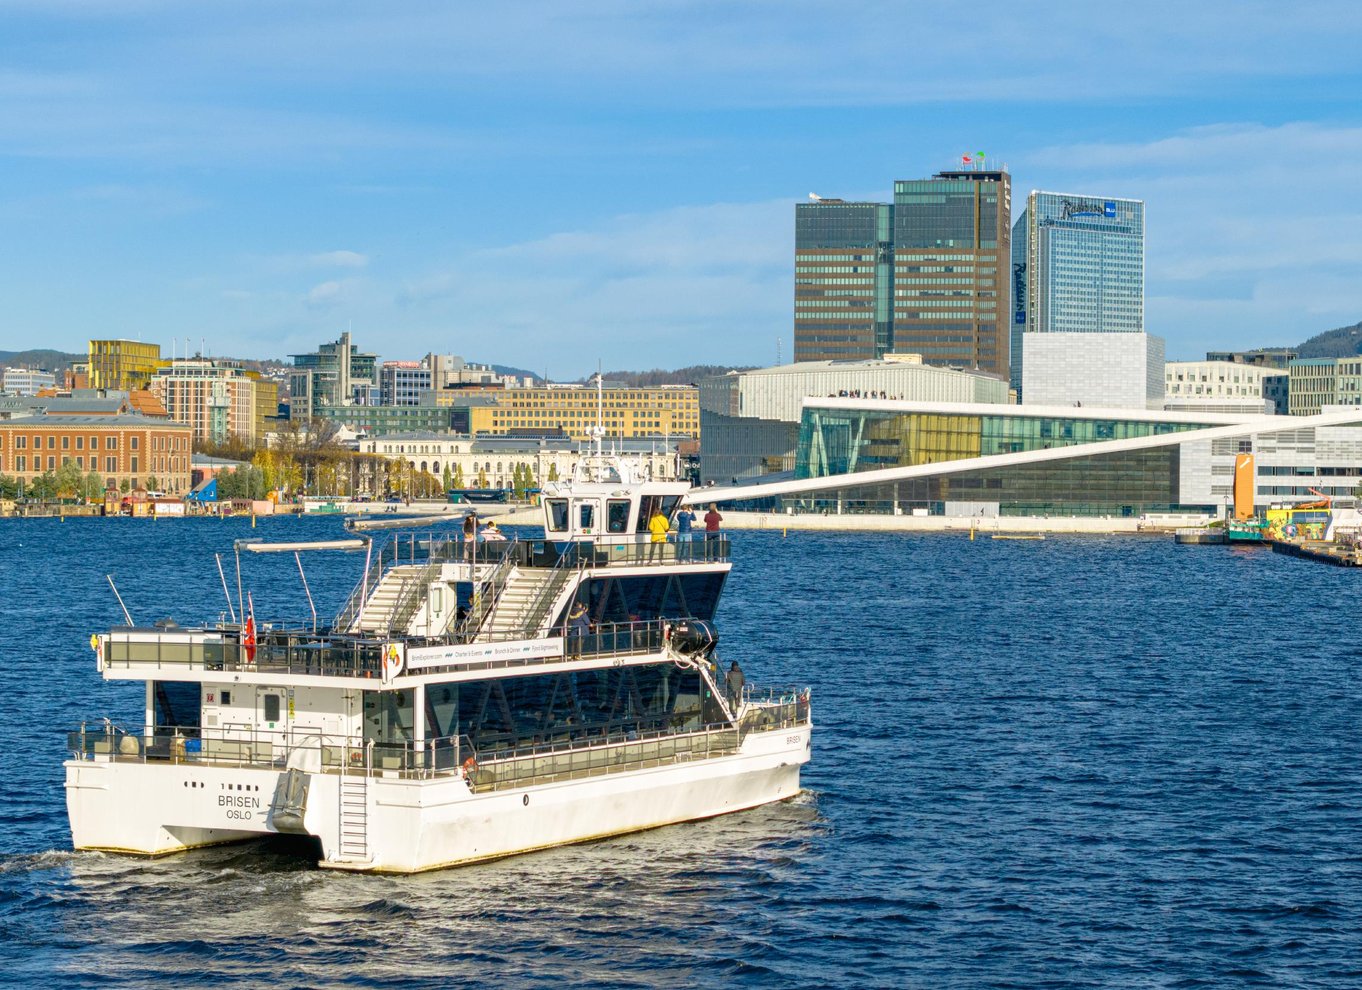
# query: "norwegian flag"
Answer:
x=248 y=632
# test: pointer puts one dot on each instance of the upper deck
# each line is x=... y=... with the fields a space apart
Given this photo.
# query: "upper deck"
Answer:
x=283 y=655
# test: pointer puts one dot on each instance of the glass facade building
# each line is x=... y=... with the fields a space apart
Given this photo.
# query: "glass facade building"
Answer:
x=836 y=441
x=952 y=244
x=1077 y=267
x=843 y=280
x=926 y=274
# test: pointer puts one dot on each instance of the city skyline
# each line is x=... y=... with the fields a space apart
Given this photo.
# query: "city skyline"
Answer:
x=545 y=187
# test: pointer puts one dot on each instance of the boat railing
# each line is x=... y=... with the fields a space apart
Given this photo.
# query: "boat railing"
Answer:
x=770 y=708
x=301 y=652
x=587 y=751
x=232 y=745
x=639 y=549
x=500 y=556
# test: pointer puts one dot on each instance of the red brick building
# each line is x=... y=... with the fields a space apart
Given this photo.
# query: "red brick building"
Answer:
x=121 y=448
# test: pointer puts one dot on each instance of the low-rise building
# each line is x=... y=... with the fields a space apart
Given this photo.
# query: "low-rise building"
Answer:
x=624 y=412
x=981 y=460
x=491 y=462
x=1278 y=358
x=1224 y=384
x=120 y=448
x=27 y=381
x=749 y=420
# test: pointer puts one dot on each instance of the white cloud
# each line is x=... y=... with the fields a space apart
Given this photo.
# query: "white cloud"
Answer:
x=325 y=294
x=339 y=259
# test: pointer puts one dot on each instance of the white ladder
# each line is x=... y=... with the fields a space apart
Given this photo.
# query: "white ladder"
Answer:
x=354 y=814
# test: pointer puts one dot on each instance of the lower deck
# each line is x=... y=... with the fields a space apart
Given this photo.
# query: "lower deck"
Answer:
x=157 y=795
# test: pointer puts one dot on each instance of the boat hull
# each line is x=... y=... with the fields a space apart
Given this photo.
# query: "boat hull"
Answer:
x=410 y=825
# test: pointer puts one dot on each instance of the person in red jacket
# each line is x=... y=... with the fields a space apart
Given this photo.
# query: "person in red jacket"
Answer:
x=712 y=520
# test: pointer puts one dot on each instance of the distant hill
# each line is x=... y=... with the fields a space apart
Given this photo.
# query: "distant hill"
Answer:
x=681 y=376
x=1343 y=342
x=44 y=359
x=505 y=369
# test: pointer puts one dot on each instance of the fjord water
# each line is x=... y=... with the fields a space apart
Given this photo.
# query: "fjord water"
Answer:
x=1077 y=762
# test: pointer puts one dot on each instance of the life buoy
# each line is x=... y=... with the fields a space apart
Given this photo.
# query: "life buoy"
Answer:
x=470 y=767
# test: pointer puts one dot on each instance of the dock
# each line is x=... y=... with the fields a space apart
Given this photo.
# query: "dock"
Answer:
x=1201 y=535
x=1338 y=554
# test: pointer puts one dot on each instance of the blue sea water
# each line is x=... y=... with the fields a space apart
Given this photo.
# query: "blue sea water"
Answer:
x=1084 y=762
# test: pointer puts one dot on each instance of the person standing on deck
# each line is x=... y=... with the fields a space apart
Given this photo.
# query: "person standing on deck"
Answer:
x=712 y=520
x=735 y=680
x=470 y=535
x=658 y=526
x=685 y=519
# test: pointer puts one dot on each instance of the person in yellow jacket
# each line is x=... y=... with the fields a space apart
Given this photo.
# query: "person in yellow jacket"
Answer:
x=658 y=526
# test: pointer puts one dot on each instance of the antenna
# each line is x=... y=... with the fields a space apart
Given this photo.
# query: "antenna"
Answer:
x=777 y=350
x=600 y=409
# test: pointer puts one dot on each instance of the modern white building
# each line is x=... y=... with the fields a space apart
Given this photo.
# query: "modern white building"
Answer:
x=1224 y=385
x=27 y=381
x=749 y=420
x=875 y=455
x=491 y=462
x=1112 y=370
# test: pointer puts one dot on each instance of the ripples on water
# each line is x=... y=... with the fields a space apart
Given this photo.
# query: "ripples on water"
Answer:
x=1082 y=762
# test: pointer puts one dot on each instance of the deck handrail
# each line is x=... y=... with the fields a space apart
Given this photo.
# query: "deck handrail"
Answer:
x=302 y=652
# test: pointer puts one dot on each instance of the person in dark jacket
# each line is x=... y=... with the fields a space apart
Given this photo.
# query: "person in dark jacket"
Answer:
x=735 y=681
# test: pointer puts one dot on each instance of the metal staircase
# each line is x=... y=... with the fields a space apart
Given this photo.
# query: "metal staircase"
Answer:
x=389 y=599
x=487 y=593
x=525 y=602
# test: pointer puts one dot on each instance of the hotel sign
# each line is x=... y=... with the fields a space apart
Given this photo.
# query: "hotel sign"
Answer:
x=510 y=651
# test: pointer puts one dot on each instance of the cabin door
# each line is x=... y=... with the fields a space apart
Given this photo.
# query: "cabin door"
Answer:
x=271 y=709
x=586 y=517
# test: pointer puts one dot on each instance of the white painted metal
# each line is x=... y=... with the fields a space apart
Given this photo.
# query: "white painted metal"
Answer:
x=401 y=825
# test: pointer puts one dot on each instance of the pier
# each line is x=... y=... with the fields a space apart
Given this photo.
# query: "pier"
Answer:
x=1338 y=554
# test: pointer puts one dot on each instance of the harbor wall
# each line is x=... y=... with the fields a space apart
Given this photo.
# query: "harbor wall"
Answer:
x=940 y=524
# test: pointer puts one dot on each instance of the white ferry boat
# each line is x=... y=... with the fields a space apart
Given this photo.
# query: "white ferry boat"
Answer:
x=470 y=700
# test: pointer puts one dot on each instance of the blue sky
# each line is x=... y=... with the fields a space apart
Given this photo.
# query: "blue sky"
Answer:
x=546 y=184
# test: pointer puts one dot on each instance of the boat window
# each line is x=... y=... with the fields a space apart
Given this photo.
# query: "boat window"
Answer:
x=271 y=708
x=669 y=504
x=178 y=703
x=618 y=520
x=586 y=515
x=647 y=506
x=558 y=514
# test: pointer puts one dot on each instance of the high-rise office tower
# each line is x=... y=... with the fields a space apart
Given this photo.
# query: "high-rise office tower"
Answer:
x=1077 y=267
x=1078 y=335
x=926 y=274
x=844 y=264
x=952 y=245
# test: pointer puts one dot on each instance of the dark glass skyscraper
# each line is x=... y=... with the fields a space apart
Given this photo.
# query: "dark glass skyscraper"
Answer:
x=843 y=274
x=926 y=275
x=952 y=249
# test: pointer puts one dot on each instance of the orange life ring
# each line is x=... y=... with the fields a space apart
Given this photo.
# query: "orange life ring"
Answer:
x=470 y=766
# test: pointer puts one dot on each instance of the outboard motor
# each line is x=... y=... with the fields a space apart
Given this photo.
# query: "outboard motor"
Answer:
x=694 y=638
